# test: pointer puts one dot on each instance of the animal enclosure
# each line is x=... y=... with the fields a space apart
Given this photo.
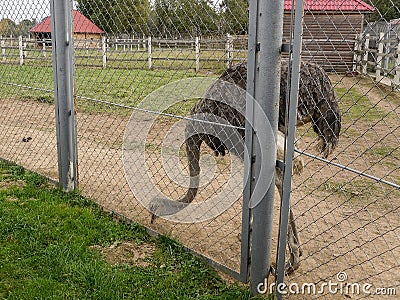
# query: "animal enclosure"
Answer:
x=132 y=108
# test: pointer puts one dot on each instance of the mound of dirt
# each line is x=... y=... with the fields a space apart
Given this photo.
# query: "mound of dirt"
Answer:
x=127 y=253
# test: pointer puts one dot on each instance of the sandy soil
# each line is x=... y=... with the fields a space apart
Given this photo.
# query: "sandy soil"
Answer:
x=128 y=253
x=347 y=223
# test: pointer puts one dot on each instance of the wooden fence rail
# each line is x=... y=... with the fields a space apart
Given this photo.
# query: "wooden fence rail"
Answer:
x=205 y=53
x=194 y=53
x=380 y=55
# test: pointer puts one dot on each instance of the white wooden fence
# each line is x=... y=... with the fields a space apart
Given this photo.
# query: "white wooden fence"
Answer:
x=380 y=55
x=150 y=44
x=17 y=50
x=376 y=54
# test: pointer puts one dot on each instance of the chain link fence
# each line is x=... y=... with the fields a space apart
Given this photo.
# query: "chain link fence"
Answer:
x=27 y=113
x=347 y=208
x=135 y=57
x=148 y=46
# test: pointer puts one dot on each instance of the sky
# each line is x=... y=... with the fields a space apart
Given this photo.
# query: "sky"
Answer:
x=18 y=10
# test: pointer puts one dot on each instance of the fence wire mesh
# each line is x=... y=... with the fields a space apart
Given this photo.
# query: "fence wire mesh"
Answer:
x=346 y=207
x=27 y=113
x=142 y=47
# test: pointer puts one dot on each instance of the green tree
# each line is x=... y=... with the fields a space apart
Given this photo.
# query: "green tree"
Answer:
x=385 y=10
x=7 y=27
x=118 y=17
x=234 y=16
x=178 y=18
x=24 y=26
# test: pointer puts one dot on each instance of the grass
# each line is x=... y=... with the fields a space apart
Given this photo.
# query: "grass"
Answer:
x=45 y=250
x=131 y=83
x=162 y=58
x=96 y=88
x=386 y=151
x=388 y=156
x=355 y=189
x=356 y=106
x=386 y=92
x=125 y=87
x=126 y=80
x=122 y=87
x=358 y=191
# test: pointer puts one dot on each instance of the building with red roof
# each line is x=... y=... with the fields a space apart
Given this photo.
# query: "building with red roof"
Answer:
x=332 y=5
x=395 y=22
x=85 y=31
x=330 y=28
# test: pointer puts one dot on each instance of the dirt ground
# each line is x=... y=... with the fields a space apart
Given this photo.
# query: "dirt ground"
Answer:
x=347 y=223
x=128 y=253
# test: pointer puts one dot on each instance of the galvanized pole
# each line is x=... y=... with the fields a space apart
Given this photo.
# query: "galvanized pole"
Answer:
x=62 y=48
x=263 y=80
x=293 y=86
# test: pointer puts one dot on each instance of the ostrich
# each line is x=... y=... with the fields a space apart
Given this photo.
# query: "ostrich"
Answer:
x=317 y=104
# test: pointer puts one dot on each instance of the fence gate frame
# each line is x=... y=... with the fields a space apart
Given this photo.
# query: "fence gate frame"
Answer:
x=63 y=63
x=294 y=61
x=263 y=85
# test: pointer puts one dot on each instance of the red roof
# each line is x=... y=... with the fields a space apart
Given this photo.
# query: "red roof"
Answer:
x=81 y=25
x=395 y=21
x=332 y=5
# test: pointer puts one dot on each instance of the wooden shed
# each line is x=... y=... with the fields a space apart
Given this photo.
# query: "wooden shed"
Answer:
x=330 y=28
x=86 y=33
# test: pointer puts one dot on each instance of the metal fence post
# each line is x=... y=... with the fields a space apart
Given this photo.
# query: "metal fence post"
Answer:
x=62 y=48
x=263 y=79
x=293 y=87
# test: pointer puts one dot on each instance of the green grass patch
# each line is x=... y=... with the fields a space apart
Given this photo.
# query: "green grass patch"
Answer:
x=126 y=87
x=27 y=83
x=46 y=237
x=129 y=86
x=387 y=93
x=355 y=106
x=385 y=152
x=97 y=89
x=357 y=188
x=359 y=191
x=388 y=156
